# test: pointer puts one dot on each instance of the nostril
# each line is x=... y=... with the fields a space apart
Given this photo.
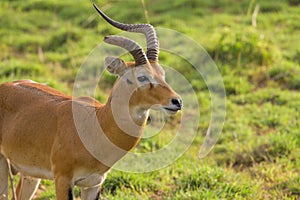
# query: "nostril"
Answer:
x=177 y=102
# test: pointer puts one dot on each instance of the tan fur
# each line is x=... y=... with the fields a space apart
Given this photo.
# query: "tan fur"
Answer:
x=39 y=137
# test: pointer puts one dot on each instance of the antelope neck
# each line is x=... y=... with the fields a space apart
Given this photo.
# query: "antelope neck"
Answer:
x=122 y=124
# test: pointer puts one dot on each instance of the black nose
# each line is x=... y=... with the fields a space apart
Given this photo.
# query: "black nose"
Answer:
x=177 y=102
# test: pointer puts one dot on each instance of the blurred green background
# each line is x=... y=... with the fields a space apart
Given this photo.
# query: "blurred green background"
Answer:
x=256 y=46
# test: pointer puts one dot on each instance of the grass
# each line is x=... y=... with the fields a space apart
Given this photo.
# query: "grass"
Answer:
x=258 y=153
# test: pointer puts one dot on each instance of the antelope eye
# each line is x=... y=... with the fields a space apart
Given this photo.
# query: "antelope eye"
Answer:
x=142 y=78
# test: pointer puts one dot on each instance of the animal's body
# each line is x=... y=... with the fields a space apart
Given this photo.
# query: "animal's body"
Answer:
x=38 y=134
x=40 y=137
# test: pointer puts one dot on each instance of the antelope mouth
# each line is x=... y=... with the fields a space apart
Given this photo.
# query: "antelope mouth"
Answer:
x=167 y=109
x=171 y=110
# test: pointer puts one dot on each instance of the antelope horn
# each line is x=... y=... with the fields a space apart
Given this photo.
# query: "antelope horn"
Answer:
x=135 y=50
x=146 y=29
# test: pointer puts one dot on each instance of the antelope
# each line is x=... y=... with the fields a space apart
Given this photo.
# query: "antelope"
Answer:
x=42 y=138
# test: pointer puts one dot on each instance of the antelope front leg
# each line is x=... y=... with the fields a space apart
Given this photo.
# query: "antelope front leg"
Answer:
x=63 y=188
x=27 y=187
x=90 y=193
x=3 y=178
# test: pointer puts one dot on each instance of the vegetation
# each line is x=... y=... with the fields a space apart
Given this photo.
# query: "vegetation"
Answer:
x=258 y=154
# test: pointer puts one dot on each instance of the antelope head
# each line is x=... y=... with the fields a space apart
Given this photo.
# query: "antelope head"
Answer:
x=144 y=78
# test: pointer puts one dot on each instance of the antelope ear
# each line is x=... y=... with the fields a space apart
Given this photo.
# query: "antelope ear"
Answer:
x=115 y=65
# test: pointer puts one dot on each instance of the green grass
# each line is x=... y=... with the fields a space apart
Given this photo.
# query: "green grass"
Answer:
x=258 y=154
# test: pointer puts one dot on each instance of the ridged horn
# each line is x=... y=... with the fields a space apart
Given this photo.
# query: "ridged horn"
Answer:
x=135 y=50
x=146 y=29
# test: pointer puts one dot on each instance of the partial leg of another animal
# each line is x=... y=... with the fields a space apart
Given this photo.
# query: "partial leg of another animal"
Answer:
x=27 y=187
x=90 y=193
x=3 y=178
